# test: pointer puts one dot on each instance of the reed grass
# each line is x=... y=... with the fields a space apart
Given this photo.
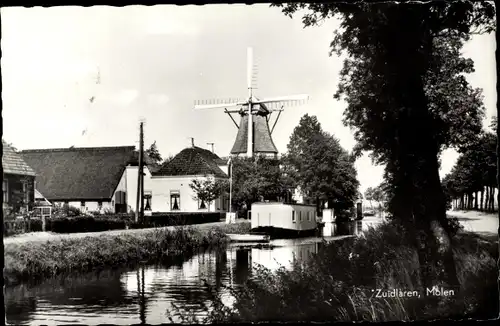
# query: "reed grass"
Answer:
x=34 y=260
x=336 y=284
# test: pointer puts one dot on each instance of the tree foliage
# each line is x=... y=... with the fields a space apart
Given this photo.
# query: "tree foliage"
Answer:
x=258 y=179
x=153 y=153
x=321 y=168
x=208 y=190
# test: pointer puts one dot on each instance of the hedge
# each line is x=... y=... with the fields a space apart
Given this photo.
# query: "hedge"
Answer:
x=110 y=222
x=84 y=224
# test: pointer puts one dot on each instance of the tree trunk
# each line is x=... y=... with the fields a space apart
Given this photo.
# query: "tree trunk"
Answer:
x=482 y=200
x=476 y=195
x=489 y=198
x=492 y=199
x=415 y=159
x=486 y=199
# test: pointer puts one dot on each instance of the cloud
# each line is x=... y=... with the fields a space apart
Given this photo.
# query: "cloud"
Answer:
x=169 y=27
x=125 y=97
x=158 y=99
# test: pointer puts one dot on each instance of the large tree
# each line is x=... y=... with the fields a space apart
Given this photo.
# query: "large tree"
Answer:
x=321 y=168
x=407 y=100
x=256 y=179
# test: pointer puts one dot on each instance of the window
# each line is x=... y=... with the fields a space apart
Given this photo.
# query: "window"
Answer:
x=82 y=206
x=308 y=216
x=175 y=200
x=300 y=216
x=5 y=188
x=99 y=205
x=293 y=216
x=147 y=200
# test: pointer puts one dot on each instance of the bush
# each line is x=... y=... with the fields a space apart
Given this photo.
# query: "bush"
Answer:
x=121 y=221
x=65 y=211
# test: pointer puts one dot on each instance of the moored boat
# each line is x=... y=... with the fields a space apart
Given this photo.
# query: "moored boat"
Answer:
x=249 y=237
x=283 y=220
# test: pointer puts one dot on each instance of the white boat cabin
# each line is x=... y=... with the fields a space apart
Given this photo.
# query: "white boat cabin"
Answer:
x=296 y=217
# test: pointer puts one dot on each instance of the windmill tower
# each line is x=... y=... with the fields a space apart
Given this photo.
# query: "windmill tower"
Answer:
x=254 y=134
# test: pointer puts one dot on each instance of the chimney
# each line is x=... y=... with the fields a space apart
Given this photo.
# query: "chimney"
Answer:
x=212 y=144
x=192 y=142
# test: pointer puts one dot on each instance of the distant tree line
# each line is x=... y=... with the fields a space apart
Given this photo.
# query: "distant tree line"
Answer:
x=472 y=182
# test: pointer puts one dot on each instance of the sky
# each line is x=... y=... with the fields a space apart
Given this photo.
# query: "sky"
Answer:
x=85 y=77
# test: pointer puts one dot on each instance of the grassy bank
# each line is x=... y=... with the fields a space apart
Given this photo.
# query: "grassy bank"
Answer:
x=340 y=283
x=26 y=261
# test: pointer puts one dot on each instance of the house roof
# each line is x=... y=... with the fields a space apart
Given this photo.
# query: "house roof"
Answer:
x=192 y=161
x=13 y=163
x=87 y=173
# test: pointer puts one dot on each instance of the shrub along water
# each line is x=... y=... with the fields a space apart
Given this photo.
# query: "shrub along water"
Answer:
x=34 y=260
x=368 y=278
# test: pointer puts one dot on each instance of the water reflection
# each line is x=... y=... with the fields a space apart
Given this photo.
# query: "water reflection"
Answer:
x=148 y=294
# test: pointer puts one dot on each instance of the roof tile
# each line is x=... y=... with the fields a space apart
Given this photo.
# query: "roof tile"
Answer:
x=192 y=161
x=13 y=163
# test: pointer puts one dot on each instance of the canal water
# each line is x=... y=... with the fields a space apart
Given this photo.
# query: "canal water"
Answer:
x=146 y=294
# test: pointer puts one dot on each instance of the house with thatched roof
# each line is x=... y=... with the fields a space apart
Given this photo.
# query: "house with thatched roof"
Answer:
x=170 y=184
x=18 y=180
x=94 y=179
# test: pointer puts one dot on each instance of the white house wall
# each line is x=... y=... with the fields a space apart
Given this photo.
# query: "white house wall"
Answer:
x=162 y=186
x=130 y=179
x=90 y=206
x=224 y=168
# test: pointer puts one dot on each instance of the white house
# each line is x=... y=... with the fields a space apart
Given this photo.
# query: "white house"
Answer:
x=169 y=187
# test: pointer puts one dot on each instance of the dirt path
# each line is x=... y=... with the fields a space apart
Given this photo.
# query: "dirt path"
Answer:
x=477 y=222
x=49 y=236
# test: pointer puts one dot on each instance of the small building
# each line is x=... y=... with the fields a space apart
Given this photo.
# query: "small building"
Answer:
x=88 y=178
x=170 y=189
x=18 y=180
x=276 y=217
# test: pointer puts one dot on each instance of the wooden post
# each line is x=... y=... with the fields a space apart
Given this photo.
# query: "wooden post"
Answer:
x=141 y=173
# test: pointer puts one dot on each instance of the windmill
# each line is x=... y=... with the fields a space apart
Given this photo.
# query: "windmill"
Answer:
x=254 y=134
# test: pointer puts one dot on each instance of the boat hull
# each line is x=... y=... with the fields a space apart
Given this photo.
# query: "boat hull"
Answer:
x=282 y=233
x=249 y=237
